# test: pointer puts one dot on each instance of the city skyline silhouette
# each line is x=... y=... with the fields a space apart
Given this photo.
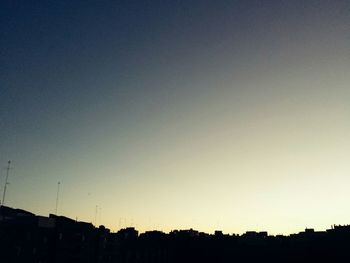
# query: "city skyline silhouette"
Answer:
x=30 y=238
x=162 y=115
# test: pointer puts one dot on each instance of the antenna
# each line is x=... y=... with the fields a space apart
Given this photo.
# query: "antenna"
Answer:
x=57 y=196
x=6 y=183
x=96 y=215
x=99 y=215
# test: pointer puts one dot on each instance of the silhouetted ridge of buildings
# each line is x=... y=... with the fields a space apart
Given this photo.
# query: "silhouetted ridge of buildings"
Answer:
x=25 y=237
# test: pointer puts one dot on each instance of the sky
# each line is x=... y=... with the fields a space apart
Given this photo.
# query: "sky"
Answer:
x=229 y=115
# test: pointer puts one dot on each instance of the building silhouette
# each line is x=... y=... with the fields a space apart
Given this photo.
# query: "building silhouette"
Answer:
x=25 y=237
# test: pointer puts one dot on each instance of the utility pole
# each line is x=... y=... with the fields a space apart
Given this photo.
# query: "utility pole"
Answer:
x=6 y=183
x=57 y=196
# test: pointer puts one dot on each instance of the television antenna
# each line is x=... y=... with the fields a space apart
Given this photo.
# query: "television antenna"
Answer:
x=6 y=181
x=57 y=197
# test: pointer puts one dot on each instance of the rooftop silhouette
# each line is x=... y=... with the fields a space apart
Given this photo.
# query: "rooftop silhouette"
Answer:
x=26 y=237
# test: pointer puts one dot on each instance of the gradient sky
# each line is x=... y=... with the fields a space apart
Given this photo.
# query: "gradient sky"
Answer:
x=231 y=115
